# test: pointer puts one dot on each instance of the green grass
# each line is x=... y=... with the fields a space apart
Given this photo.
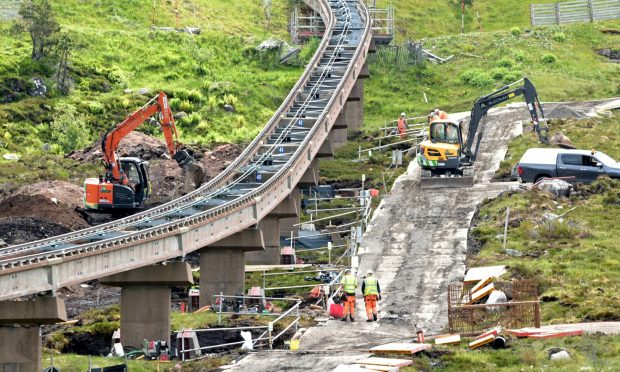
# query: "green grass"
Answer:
x=599 y=353
x=417 y=19
x=578 y=73
x=115 y=49
x=75 y=363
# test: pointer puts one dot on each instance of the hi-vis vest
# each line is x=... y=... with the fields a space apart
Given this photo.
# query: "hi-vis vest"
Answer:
x=370 y=286
x=349 y=282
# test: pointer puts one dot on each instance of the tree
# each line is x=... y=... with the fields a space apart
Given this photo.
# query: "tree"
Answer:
x=63 y=80
x=39 y=21
x=69 y=129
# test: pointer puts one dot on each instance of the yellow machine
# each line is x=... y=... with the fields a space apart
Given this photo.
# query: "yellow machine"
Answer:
x=447 y=159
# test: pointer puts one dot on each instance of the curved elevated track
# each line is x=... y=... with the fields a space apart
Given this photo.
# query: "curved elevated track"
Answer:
x=238 y=198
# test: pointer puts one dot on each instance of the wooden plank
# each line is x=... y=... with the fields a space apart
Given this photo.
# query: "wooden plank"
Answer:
x=475 y=297
x=481 y=284
x=525 y=332
x=556 y=334
x=493 y=332
x=408 y=348
x=480 y=342
x=451 y=339
x=371 y=367
x=393 y=362
x=476 y=274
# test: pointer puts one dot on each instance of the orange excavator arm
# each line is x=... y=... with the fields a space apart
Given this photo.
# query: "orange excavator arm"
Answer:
x=111 y=140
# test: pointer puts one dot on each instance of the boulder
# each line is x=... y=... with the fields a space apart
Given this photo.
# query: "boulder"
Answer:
x=558 y=354
x=556 y=187
x=560 y=139
x=229 y=108
x=496 y=297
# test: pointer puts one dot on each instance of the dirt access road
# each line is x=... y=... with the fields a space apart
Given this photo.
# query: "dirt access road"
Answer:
x=416 y=244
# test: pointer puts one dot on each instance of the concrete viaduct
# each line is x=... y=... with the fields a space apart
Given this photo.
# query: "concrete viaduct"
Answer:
x=235 y=218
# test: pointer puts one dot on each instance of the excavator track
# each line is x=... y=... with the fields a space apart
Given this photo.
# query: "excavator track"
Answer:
x=429 y=181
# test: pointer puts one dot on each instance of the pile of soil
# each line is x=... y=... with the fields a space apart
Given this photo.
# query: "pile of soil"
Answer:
x=216 y=160
x=53 y=202
x=564 y=112
x=135 y=144
x=18 y=230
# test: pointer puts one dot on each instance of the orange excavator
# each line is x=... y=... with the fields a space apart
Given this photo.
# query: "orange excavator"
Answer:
x=126 y=184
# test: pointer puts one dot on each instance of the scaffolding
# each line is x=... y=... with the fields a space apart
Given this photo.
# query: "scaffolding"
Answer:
x=382 y=23
x=305 y=23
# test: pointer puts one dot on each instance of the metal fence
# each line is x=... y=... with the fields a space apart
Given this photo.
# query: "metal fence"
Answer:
x=405 y=54
x=523 y=309
x=8 y=9
x=574 y=11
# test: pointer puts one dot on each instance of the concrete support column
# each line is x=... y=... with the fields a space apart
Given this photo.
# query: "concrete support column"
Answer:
x=145 y=300
x=222 y=264
x=221 y=271
x=270 y=228
x=20 y=331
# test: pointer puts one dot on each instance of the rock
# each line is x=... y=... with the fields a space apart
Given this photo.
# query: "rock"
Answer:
x=514 y=253
x=46 y=147
x=144 y=91
x=128 y=91
x=550 y=216
x=496 y=297
x=180 y=115
x=39 y=88
x=11 y=156
x=558 y=354
x=556 y=187
x=560 y=139
x=229 y=108
x=3 y=243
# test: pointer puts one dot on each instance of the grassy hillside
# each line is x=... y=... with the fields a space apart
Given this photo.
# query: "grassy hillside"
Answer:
x=561 y=61
x=416 y=19
x=575 y=259
x=115 y=53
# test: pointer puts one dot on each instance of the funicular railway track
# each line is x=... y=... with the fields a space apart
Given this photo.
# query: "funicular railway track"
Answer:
x=239 y=197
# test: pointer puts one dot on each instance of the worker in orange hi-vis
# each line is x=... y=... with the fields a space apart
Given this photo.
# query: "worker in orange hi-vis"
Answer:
x=437 y=114
x=372 y=293
x=348 y=284
x=402 y=125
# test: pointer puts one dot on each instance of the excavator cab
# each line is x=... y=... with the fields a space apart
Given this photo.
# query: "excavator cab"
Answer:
x=103 y=194
x=441 y=150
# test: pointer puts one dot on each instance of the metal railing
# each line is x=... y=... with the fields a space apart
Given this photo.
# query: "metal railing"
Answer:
x=574 y=11
x=267 y=335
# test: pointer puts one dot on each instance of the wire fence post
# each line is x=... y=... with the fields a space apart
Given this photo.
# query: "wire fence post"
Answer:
x=270 y=330
x=182 y=345
x=219 y=314
x=329 y=253
x=506 y=226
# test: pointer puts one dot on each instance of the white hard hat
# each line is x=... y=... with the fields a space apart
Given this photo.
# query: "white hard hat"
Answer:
x=436 y=111
x=347 y=270
x=402 y=114
x=369 y=272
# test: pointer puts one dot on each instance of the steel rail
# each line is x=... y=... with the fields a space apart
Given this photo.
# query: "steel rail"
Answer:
x=253 y=196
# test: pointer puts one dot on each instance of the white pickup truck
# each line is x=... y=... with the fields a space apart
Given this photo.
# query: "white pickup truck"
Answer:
x=572 y=165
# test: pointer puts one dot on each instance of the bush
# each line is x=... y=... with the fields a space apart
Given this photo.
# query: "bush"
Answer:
x=499 y=73
x=476 y=78
x=515 y=31
x=512 y=76
x=559 y=37
x=96 y=108
x=506 y=62
x=192 y=119
x=175 y=104
x=229 y=99
x=186 y=106
x=549 y=59
x=519 y=55
x=195 y=96
x=69 y=129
